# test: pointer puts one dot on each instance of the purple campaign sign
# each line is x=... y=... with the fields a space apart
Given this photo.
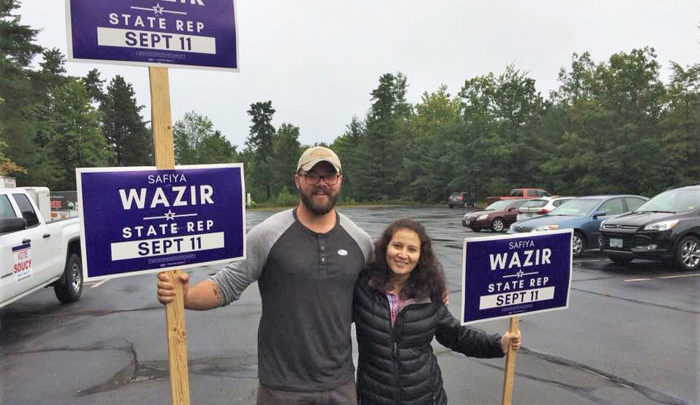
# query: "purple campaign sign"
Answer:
x=153 y=32
x=137 y=220
x=506 y=276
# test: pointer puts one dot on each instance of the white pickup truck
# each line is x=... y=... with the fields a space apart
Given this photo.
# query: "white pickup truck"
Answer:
x=33 y=253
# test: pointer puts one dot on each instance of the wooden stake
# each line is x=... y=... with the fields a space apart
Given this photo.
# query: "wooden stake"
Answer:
x=510 y=365
x=164 y=156
x=163 y=150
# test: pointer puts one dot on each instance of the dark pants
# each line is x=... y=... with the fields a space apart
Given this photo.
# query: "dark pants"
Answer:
x=343 y=395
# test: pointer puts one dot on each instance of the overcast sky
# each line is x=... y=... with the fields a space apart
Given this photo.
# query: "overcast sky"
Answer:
x=318 y=60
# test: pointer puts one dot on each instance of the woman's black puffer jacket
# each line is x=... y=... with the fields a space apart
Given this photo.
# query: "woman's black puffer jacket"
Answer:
x=396 y=364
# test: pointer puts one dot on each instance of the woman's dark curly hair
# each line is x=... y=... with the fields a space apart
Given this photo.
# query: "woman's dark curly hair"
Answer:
x=426 y=280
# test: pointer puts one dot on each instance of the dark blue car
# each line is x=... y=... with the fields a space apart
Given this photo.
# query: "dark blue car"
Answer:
x=583 y=215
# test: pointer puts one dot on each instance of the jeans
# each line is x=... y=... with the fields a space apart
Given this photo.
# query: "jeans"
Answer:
x=343 y=395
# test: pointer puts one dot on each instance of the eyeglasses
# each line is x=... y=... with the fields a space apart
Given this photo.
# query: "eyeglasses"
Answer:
x=314 y=178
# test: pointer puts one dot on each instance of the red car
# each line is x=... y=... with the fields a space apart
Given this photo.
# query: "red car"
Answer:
x=498 y=216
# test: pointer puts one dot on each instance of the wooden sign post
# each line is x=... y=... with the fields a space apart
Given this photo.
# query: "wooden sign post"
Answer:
x=510 y=365
x=215 y=47
x=163 y=153
x=514 y=275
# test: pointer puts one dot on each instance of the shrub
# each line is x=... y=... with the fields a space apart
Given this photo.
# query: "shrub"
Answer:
x=286 y=199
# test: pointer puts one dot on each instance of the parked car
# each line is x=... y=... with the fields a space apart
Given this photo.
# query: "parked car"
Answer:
x=583 y=215
x=497 y=216
x=460 y=199
x=540 y=206
x=667 y=227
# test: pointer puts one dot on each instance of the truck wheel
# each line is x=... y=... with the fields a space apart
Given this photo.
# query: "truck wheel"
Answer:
x=70 y=286
x=498 y=225
x=621 y=260
x=688 y=254
x=578 y=244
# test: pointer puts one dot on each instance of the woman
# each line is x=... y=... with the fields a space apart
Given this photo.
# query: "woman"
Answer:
x=397 y=310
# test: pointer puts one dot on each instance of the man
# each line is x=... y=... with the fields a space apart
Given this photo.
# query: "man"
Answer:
x=306 y=261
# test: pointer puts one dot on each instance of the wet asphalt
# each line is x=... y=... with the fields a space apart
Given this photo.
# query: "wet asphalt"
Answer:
x=629 y=336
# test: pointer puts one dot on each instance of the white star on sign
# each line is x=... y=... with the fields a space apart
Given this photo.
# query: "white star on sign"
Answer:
x=169 y=215
x=157 y=9
x=520 y=274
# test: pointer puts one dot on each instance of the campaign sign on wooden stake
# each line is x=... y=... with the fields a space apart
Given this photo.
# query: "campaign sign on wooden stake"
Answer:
x=175 y=33
x=505 y=276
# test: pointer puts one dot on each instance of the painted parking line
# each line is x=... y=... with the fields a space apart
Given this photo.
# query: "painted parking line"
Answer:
x=637 y=279
x=99 y=283
x=631 y=280
x=682 y=275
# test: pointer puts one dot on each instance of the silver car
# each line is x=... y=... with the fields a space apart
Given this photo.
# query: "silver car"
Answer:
x=540 y=206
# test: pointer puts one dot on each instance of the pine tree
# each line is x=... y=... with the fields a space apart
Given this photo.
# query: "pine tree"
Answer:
x=259 y=145
x=347 y=147
x=74 y=134
x=286 y=151
x=52 y=73
x=17 y=50
x=122 y=126
x=261 y=129
x=94 y=86
x=379 y=174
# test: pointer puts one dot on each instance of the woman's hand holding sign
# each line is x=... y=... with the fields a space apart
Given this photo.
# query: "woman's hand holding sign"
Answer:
x=166 y=288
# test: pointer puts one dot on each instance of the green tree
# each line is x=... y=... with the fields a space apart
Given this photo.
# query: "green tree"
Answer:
x=7 y=167
x=434 y=134
x=17 y=51
x=94 y=86
x=50 y=77
x=347 y=147
x=518 y=109
x=52 y=73
x=612 y=113
x=215 y=148
x=680 y=126
x=501 y=116
x=188 y=134
x=261 y=129
x=379 y=175
x=122 y=126
x=259 y=144
x=74 y=134
x=479 y=136
x=196 y=142
x=285 y=151
x=438 y=163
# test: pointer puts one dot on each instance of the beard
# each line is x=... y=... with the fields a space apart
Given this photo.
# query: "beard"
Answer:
x=318 y=208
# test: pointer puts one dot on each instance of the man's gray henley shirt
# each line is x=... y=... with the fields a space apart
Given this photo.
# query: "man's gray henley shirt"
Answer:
x=306 y=282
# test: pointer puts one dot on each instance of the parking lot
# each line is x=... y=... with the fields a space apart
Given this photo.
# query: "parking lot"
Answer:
x=629 y=336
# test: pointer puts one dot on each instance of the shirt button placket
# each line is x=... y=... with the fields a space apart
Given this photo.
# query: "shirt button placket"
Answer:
x=322 y=255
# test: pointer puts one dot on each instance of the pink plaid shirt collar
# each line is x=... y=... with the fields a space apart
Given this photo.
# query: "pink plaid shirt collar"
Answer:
x=396 y=304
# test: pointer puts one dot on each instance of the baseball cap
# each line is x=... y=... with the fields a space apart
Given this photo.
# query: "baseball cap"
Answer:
x=317 y=154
